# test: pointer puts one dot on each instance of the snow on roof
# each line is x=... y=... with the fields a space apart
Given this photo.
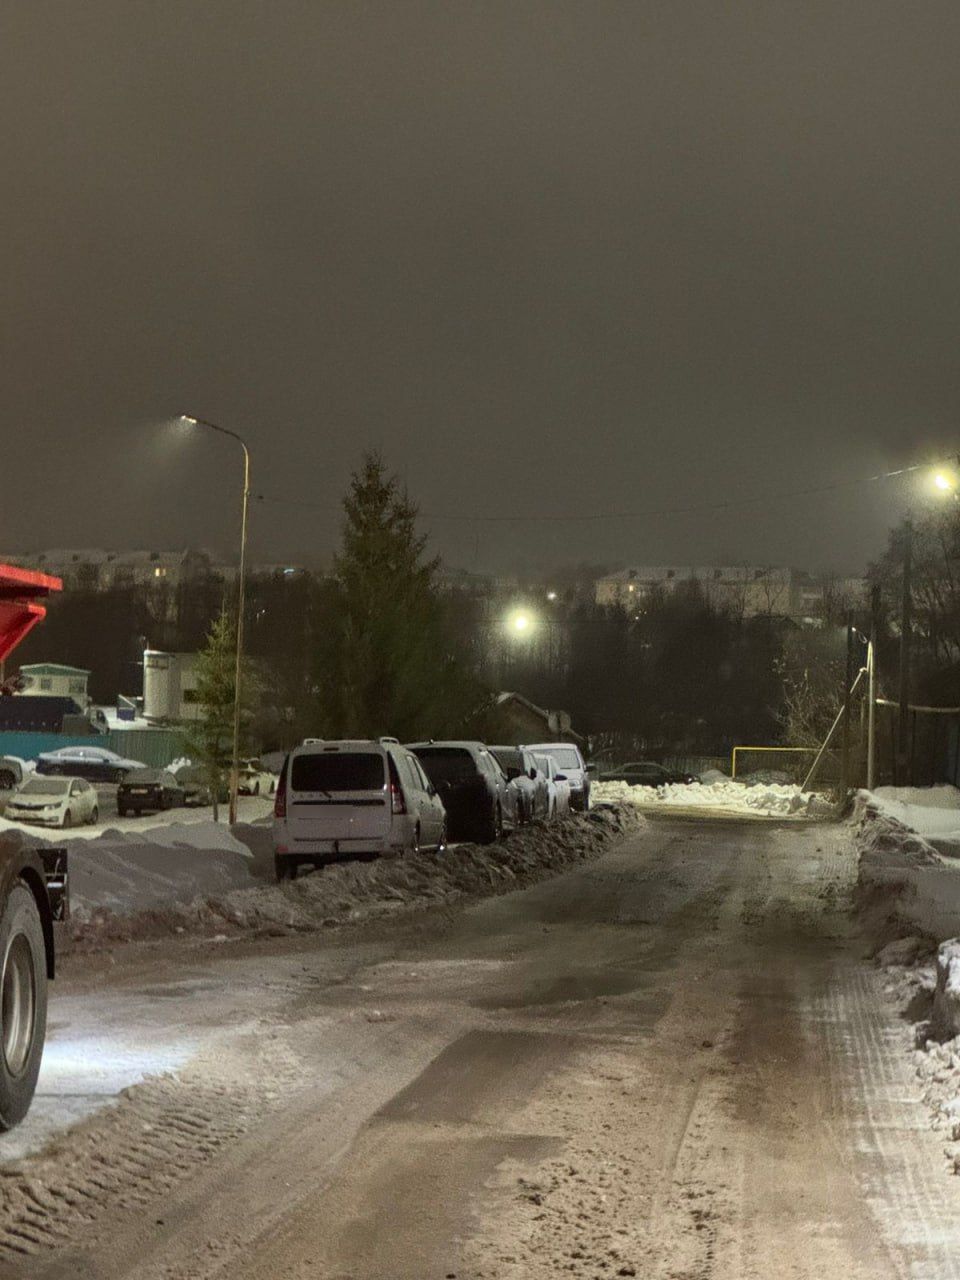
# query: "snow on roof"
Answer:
x=53 y=669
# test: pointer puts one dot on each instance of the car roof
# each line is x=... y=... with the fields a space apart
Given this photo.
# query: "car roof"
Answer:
x=463 y=746
x=550 y=746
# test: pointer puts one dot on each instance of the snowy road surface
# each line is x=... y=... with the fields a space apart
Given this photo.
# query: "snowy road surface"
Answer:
x=671 y=1062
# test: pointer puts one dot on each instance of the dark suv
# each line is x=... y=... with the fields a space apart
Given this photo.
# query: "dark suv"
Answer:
x=479 y=804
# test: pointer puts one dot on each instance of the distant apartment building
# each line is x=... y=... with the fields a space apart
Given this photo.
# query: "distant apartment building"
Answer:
x=748 y=591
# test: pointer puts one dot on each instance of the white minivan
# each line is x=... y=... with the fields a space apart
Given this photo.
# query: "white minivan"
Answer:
x=338 y=799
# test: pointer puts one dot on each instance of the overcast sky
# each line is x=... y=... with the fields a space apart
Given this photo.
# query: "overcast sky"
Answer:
x=551 y=258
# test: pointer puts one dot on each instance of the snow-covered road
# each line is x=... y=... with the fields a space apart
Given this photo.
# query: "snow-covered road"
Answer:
x=670 y=1061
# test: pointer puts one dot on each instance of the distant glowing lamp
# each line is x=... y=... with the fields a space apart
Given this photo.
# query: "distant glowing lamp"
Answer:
x=520 y=623
x=551 y=595
x=945 y=481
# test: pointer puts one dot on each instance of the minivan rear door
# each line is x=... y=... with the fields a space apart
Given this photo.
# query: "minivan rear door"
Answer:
x=338 y=795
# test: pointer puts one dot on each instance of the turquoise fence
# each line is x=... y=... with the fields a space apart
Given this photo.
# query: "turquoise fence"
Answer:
x=156 y=747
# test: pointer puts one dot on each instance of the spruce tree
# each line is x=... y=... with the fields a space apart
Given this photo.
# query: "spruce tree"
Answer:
x=210 y=737
x=392 y=663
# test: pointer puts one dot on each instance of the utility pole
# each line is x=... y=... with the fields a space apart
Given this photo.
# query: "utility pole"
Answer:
x=847 y=681
x=872 y=687
x=906 y=624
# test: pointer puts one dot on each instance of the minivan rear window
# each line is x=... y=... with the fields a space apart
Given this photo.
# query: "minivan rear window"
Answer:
x=446 y=764
x=338 y=771
x=566 y=759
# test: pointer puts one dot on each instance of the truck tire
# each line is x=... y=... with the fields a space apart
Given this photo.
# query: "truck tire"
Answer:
x=23 y=1003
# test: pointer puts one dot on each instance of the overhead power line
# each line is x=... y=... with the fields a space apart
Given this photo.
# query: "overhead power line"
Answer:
x=586 y=516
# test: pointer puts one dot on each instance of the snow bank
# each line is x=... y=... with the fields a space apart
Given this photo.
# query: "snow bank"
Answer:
x=946 y=997
x=149 y=890
x=904 y=869
x=122 y=873
x=771 y=799
x=933 y=812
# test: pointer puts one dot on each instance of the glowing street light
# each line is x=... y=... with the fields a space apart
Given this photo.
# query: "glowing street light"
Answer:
x=944 y=481
x=190 y=420
x=521 y=623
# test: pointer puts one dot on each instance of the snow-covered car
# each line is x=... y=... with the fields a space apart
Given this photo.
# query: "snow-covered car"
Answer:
x=11 y=772
x=95 y=764
x=196 y=785
x=571 y=764
x=54 y=802
x=254 y=780
x=558 y=787
x=527 y=781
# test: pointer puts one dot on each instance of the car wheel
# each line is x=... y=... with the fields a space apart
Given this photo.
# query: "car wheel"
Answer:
x=118 y=775
x=23 y=999
x=94 y=815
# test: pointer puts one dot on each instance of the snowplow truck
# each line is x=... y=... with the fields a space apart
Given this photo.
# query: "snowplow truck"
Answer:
x=33 y=893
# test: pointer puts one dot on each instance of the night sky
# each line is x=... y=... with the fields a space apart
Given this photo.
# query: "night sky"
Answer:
x=551 y=258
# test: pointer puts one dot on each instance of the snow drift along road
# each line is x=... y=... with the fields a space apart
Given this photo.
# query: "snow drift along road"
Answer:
x=770 y=799
x=122 y=889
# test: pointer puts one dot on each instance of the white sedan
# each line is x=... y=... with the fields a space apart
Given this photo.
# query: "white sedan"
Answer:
x=254 y=780
x=53 y=802
x=558 y=787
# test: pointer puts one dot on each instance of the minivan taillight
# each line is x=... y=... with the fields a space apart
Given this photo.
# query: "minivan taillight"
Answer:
x=280 y=800
x=397 y=802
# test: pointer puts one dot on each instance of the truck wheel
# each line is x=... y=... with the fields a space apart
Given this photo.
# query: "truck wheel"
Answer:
x=23 y=1003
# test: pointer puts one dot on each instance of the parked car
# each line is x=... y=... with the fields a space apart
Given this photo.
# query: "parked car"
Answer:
x=558 y=787
x=647 y=773
x=479 y=803
x=255 y=780
x=149 y=790
x=195 y=785
x=571 y=764
x=11 y=772
x=527 y=781
x=54 y=802
x=95 y=764
x=338 y=799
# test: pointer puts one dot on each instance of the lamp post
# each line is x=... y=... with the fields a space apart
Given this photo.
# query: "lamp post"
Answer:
x=241 y=594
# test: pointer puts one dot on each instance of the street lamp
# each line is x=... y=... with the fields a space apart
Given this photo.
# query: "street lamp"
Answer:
x=241 y=593
x=520 y=623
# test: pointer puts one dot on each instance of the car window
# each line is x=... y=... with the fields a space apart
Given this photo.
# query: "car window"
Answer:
x=567 y=758
x=338 y=771
x=446 y=764
x=44 y=787
x=424 y=780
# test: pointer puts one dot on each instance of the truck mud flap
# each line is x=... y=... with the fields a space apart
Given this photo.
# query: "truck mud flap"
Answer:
x=57 y=877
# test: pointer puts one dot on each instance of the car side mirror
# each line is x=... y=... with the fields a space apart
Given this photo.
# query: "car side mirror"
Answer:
x=533 y=774
x=560 y=777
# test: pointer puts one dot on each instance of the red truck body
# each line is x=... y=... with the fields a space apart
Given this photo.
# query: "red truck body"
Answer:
x=21 y=591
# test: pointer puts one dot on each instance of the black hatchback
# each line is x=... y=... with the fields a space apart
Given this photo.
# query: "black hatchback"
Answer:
x=149 y=790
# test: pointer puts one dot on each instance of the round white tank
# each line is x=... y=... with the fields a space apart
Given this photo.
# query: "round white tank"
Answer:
x=161 y=685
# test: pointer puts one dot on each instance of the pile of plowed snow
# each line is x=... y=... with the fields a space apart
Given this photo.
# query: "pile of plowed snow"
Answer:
x=122 y=872
x=769 y=799
x=134 y=890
